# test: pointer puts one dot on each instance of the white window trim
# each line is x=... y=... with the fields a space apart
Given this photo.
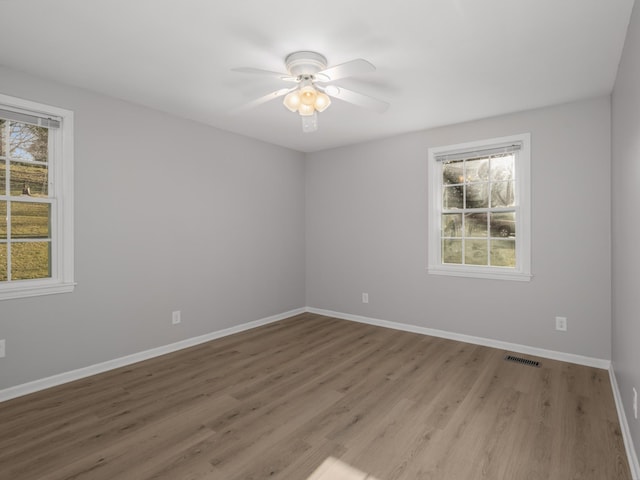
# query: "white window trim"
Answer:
x=62 y=278
x=522 y=271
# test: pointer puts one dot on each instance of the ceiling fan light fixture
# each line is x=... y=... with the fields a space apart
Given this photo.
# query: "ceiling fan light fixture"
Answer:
x=308 y=95
x=306 y=110
x=322 y=102
x=308 y=99
x=292 y=101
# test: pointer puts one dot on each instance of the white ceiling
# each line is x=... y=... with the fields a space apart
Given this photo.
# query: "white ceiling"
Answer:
x=438 y=61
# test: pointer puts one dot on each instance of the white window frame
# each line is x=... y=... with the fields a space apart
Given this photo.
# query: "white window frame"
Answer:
x=61 y=198
x=522 y=270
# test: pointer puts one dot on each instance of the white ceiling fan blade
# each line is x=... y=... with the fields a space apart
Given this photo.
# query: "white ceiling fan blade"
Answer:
x=266 y=73
x=263 y=99
x=356 y=98
x=352 y=68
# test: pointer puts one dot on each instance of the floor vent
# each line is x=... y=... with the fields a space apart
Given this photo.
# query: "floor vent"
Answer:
x=523 y=361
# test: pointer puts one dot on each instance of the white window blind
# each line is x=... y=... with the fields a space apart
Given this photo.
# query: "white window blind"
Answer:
x=485 y=152
x=30 y=118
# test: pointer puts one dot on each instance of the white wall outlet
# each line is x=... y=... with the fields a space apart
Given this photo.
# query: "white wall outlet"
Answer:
x=635 y=403
x=561 y=324
x=2 y=349
x=365 y=298
x=175 y=317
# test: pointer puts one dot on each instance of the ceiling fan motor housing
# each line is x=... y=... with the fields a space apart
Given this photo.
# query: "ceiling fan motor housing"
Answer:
x=305 y=63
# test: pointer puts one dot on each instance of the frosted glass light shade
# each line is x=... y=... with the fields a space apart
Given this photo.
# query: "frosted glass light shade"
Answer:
x=307 y=101
x=322 y=102
x=306 y=110
x=308 y=95
x=292 y=101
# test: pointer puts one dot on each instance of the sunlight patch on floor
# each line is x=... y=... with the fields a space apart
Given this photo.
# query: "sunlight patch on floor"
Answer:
x=334 y=469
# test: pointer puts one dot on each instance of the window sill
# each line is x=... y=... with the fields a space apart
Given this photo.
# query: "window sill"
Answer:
x=470 y=272
x=18 y=290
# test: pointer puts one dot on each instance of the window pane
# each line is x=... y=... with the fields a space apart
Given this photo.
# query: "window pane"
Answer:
x=477 y=195
x=477 y=170
x=475 y=225
x=3 y=220
x=3 y=123
x=30 y=220
x=30 y=260
x=502 y=168
x=452 y=197
x=29 y=179
x=452 y=225
x=503 y=253
x=3 y=262
x=3 y=177
x=502 y=194
x=503 y=224
x=28 y=142
x=451 y=251
x=475 y=252
x=452 y=172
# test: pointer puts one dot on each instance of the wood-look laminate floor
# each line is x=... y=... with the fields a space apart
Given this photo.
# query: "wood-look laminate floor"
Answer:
x=276 y=401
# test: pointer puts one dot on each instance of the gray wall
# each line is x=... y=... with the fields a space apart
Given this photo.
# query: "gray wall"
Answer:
x=367 y=232
x=170 y=215
x=625 y=225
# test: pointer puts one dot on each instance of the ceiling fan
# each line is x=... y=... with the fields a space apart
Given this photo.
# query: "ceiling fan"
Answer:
x=314 y=87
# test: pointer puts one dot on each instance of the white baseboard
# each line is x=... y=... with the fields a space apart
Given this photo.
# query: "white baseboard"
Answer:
x=624 y=426
x=487 y=342
x=55 y=380
x=41 y=384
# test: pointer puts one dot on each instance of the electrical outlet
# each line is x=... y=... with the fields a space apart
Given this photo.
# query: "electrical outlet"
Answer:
x=561 y=324
x=175 y=317
x=2 y=349
x=365 y=298
x=635 y=403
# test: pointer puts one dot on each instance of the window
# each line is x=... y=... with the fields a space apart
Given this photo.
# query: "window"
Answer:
x=479 y=209
x=36 y=199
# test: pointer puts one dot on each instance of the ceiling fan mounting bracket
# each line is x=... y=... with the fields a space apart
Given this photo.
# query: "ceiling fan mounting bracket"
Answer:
x=305 y=63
